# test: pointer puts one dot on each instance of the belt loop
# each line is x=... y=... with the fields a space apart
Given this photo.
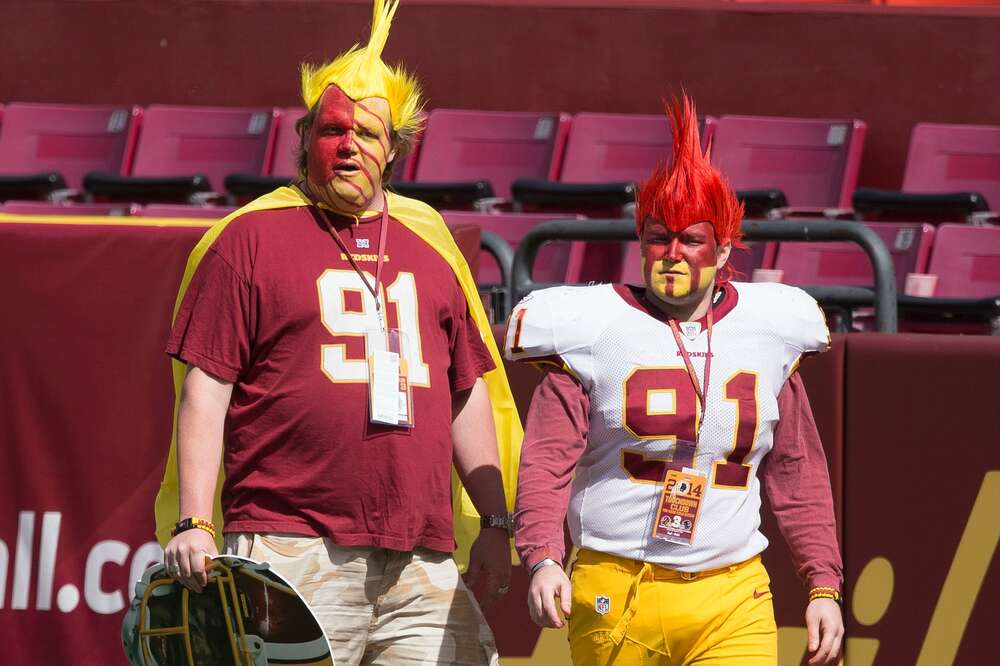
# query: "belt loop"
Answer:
x=631 y=604
x=689 y=575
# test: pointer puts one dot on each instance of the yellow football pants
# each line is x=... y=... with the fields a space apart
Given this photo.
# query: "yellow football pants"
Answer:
x=630 y=612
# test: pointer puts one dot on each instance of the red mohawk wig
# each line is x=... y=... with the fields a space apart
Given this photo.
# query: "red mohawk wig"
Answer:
x=691 y=190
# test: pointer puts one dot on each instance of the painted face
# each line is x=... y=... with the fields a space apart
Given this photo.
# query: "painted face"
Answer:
x=348 y=147
x=680 y=266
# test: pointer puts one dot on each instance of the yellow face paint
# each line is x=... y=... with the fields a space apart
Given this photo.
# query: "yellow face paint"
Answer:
x=677 y=280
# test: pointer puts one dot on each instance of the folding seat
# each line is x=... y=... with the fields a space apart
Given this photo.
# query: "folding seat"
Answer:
x=846 y=264
x=466 y=156
x=68 y=208
x=280 y=170
x=187 y=150
x=952 y=173
x=811 y=163
x=48 y=147
x=966 y=261
x=607 y=156
x=185 y=211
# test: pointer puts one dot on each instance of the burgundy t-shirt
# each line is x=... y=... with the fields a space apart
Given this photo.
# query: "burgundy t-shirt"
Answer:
x=275 y=308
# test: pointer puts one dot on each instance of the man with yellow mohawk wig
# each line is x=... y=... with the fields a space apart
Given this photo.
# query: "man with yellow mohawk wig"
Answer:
x=672 y=401
x=330 y=348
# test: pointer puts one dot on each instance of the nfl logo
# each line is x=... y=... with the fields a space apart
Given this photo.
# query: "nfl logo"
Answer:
x=602 y=604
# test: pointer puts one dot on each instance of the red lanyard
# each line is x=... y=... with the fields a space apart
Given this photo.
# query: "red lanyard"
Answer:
x=380 y=257
x=702 y=393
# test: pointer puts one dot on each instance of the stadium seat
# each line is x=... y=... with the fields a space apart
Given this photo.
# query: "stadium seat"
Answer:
x=813 y=162
x=966 y=260
x=280 y=170
x=46 y=147
x=607 y=156
x=952 y=172
x=68 y=208
x=184 y=150
x=460 y=148
x=846 y=264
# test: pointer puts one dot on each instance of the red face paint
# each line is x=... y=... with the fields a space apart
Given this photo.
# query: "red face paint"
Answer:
x=348 y=148
x=679 y=266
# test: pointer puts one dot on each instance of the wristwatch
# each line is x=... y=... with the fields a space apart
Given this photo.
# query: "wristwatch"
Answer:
x=499 y=520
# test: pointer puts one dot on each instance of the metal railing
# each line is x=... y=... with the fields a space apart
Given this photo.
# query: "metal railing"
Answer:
x=883 y=296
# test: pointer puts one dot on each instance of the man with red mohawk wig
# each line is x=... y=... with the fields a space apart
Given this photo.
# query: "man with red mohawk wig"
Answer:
x=662 y=411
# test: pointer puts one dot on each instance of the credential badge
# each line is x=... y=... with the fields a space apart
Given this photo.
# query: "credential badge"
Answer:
x=602 y=604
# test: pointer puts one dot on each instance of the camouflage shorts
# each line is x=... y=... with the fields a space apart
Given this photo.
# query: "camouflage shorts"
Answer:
x=379 y=606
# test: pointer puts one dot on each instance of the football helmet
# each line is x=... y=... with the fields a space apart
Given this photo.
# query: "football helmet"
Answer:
x=247 y=615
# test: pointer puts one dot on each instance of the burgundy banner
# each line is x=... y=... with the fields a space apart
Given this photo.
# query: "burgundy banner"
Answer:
x=85 y=408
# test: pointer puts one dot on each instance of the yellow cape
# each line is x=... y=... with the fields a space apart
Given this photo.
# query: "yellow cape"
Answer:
x=426 y=223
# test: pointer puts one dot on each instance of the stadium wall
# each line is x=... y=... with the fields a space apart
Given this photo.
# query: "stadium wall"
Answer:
x=891 y=67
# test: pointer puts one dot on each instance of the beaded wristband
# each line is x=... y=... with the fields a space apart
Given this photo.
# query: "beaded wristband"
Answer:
x=194 y=523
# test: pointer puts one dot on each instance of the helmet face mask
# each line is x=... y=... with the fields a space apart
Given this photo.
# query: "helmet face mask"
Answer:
x=246 y=616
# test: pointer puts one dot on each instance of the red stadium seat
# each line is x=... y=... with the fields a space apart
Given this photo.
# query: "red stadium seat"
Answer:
x=184 y=150
x=286 y=144
x=68 y=208
x=71 y=140
x=619 y=147
x=952 y=173
x=555 y=262
x=966 y=260
x=814 y=162
x=495 y=146
x=846 y=264
x=180 y=210
x=210 y=141
x=954 y=158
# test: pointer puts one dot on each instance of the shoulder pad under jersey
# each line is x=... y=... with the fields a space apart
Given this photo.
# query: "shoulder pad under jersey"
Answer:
x=791 y=313
x=553 y=322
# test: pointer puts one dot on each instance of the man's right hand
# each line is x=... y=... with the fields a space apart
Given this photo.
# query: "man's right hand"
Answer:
x=185 y=557
x=548 y=584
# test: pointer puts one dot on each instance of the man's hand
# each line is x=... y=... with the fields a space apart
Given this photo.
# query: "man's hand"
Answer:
x=185 y=557
x=488 y=575
x=547 y=584
x=825 y=628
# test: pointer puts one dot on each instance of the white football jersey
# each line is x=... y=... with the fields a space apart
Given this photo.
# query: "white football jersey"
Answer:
x=643 y=408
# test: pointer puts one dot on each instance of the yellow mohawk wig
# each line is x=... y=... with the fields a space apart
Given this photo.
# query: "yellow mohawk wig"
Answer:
x=360 y=73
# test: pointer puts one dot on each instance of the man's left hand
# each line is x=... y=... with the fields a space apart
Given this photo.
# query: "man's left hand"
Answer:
x=488 y=575
x=825 y=627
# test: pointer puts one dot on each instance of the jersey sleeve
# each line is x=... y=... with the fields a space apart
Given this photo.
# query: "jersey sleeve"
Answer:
x=212 y=328
x=553 y=327
x=801 y=324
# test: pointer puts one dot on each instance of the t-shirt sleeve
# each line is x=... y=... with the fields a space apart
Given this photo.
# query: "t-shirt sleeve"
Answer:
x=212 y=327
x=470 y=358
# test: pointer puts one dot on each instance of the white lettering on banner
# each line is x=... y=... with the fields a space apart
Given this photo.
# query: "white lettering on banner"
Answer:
x=101 y=554
x=98 y=595
x=22 y=559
